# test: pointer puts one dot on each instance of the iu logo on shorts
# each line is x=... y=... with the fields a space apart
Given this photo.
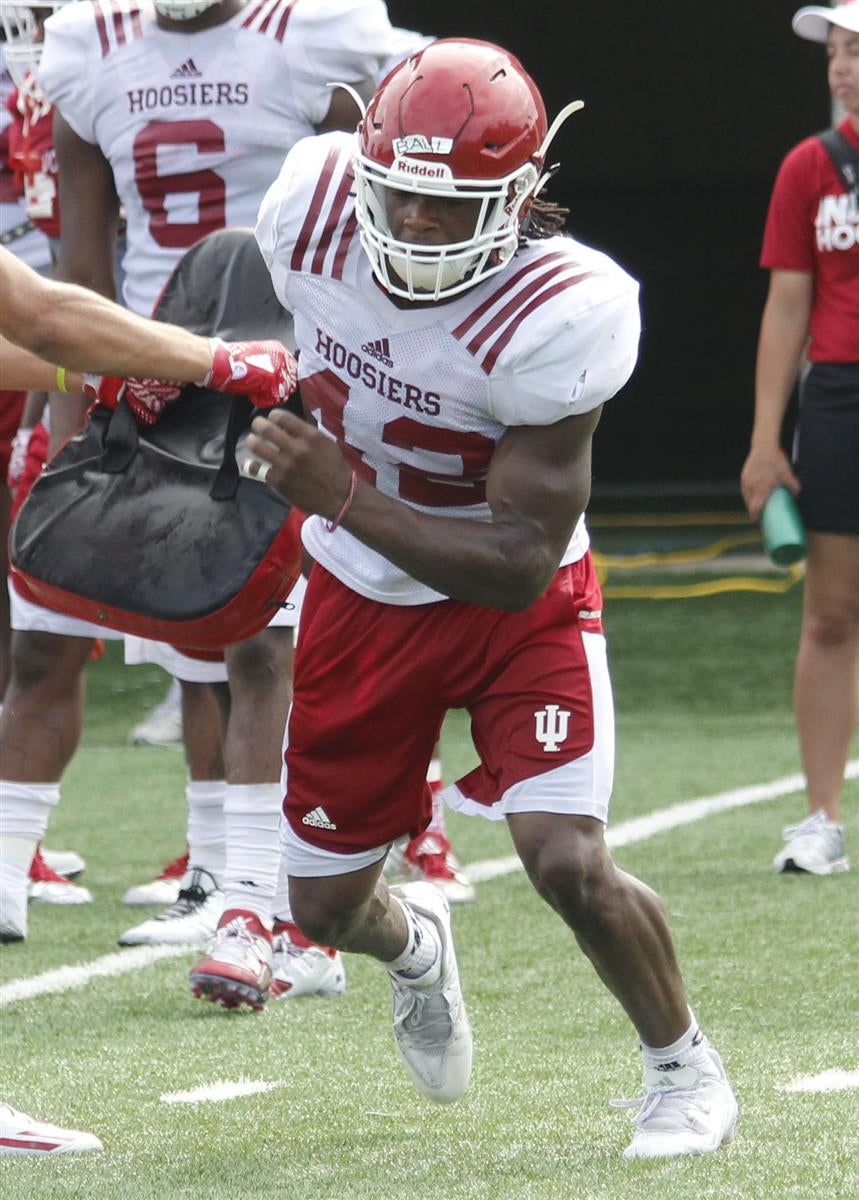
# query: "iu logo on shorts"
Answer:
x=553 y=724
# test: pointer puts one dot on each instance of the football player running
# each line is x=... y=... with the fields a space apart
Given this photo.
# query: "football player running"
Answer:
x=448 y=487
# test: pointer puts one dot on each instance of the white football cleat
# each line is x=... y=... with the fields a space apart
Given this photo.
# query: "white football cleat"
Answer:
x=690 y=1110
x=430 y=856
x=67 y=863
x=163 y=889
x=163 y=725
x=237 y=967
x=430 y=1022
x=46 y=886
x=303 y=968
x=20 y=1134
x=192 y=918
x=814 y=846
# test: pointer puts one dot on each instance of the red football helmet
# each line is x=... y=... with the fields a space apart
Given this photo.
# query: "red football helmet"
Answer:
x=460 y=119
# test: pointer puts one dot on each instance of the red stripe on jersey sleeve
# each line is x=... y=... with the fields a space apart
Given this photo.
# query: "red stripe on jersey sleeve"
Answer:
x=510 y=309
x=471 y=320
x=118 y=23
x=253 y=14
x=499 y=344
x=101 y=26
x=314 y=211
x=343 y=249
x=284 y=19
x=337 y=206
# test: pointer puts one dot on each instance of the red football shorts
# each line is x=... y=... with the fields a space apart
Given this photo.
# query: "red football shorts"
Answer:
x=373 y=683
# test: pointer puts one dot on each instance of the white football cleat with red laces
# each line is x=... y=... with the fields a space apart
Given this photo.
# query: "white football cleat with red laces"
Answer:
x=163 y=889
x=237 y=967
x=46 y=886
x=303 y=968
x=430 y=857
x=21 y=1134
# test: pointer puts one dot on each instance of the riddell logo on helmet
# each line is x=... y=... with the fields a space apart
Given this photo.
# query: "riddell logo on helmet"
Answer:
x=422 y=170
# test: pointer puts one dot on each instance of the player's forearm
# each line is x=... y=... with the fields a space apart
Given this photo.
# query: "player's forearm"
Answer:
x=20 y=370
x=84 y=331
x=505 y=563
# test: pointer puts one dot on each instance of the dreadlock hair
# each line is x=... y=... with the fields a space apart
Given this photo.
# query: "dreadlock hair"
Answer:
x=544 y=219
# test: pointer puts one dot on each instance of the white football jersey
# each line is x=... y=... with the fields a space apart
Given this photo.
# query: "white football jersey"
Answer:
x=418 y=397
x=196 y=125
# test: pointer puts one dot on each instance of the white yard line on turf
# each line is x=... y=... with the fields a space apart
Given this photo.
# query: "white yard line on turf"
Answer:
x=66 y=979
x=219 y=1091
x=638 y=829
x=827 y=1081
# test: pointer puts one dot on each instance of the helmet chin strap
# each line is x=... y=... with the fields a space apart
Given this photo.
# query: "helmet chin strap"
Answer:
x=347 y=87
x=567 y=111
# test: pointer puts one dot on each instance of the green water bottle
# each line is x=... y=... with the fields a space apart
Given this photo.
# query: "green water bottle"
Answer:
x=782 y=529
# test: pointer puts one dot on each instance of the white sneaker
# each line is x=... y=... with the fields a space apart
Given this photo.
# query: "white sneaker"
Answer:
x=815 y=846
x=46 y=886
x=163 y=725
x=690 y=1110
x=67 y=863
x=430 y=1022
x=192 y=918
x=301 y=967
x=20 y=1134
x=237 y=966
x=163 y=889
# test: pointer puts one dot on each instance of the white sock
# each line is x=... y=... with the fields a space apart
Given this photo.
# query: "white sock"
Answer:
x=25 y=808
x=280 y=906
x=434 y=779
x=24 y=812
x=251 y=819
x=688 y=1049
x=421 y=959
x=206 y=836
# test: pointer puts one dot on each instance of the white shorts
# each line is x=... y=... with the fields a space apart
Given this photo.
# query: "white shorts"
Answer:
x=28 y=617
x=196 y=670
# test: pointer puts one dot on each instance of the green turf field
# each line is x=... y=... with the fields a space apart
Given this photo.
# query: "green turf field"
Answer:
x=703 y=697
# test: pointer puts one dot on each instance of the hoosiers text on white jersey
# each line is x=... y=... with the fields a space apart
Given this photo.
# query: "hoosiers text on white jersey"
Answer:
x=418 y=397
x=196 y=125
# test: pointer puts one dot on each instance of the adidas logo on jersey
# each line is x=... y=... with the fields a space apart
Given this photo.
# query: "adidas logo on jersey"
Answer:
x=318 y=819
x=380 y=350
x=188 y=70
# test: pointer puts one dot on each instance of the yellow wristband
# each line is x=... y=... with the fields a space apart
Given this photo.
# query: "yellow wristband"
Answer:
x=61 y=379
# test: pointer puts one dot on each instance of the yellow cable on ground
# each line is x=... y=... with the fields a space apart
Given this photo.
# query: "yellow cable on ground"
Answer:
x=632 y=562
x=713 y=587
x=605 y=563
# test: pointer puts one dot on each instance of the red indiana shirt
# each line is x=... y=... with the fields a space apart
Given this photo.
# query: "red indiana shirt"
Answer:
x=813 y=225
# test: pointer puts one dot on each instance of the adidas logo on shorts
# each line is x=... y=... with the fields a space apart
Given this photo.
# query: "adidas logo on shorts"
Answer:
x=319 y=819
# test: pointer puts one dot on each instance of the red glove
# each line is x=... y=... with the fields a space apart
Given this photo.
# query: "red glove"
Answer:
x=265 y=372
x=147 y=398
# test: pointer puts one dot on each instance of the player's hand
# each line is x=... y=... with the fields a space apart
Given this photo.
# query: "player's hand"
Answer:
x=763 y=470
x=303 y=466
x=147 y=398
x=265 y=372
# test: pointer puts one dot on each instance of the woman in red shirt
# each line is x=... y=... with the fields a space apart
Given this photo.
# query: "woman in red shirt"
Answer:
x=811 y=247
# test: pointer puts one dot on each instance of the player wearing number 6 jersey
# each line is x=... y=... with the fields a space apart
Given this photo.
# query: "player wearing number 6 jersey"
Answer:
x=457 y=367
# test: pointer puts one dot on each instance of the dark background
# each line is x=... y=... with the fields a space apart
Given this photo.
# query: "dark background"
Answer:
x=690 y=107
